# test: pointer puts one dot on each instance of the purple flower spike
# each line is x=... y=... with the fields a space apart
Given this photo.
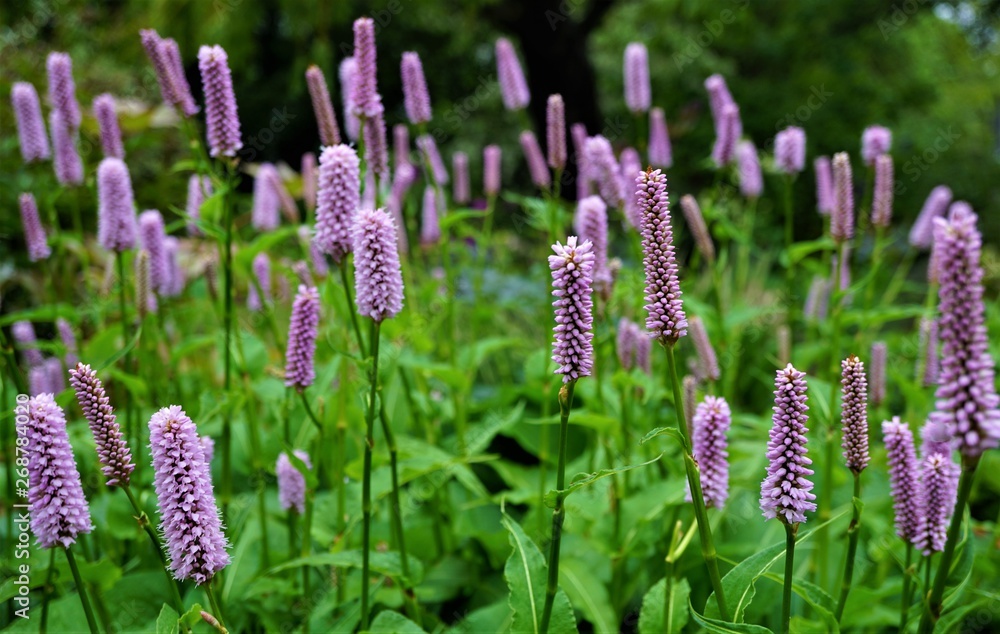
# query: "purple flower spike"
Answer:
x=922 y=232
x=176 y=277
x=786 y=491
x=58 y=508
x=310 y=180
x=854 y=413
x=825 y=198
x=365 y=99
x=555 y=132
x=875 y=141
x=208 y=448
x=879 y=355
x=34 y=234
x=376 y=146
x=151 y=42
x=152 y=237
x=718 y=98
x=54 y=368
x=222 y=121
x=30 y=125
x=112 y=449
x=116 y=225
x=143 y=287
x=107 y=120
x=199 y=189
x=262 y=274
x=189 y=519
x=302 y=330
x=400 y=145
x=660 y=151
x=603 y=169
x=460 y=188
x=902 y=459
x=665 y=310
x=696 y=224
x=66 y=160
x=68 y=338
x=326 y=120
x=572 y=267
x=882 y=199
x=751 y=180
x=513 y=86
x=23 y=334
x=625 y=343
x=711 y=421
x=967 y=401
x=842 y=218
x=638 y=93
x=338 y=198
x=790 y=150
x=929 y=347
x=727 y=135
x=266 y=204
x=591 y=225
x=430 y=229
x=708 y=364
x=492 y=169
x=346 y=72
x=939 y=477
x=179 y=87
x=291 y=482
x=630 y=164
x=536 y=160
x=428 y=148
x=378 y=280
x=62 y=89
x=415 y=95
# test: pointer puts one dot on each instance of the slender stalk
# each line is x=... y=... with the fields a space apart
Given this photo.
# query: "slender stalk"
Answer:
x=786 y=597
x=698 y=499
x=366 y=485
x=81 y=591
x=853 y=532
x=559 y=512
x=876 y=264
x=668 y=588
x=904 y=612
x=309 y=411
x=227 y=428
x=350 y=305
x=936 y=598
x=43 y=626
x=214 y=603
x=143 y=521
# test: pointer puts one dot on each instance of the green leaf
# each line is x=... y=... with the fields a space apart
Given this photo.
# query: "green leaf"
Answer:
x=651 y=614
x=193 y=616
x=455 y=217
x=661 y=431
x=801 y=250
x=526 y=575
x=722 y=627
x=389 y=622
x=166 y=623
x=590 y=478
x=816 y=597
x=388 y=563
x=951 y=619
x=492 y=618
x=586 y=592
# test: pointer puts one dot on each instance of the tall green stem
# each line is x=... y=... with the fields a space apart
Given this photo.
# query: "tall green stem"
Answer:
x=933 y=611
x=853 y=532
x=214 y=603
x=366 y=484
x=81 y=591
x=559 y=512
x=350 y=305
x=786 y=596
x=694 y=482
x=143 y=520
x=227 y=428
x=907 y=588
x=47 y=590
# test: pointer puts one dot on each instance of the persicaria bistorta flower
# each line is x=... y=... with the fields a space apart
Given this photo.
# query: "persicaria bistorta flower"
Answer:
x=428 y=147
x=107 y=121
x=922 y=232
x=264 y=213
x=112 y=448
x=710 y=424
x=854 y=413
x=222 y=121
x=152 y=237
x=967 y=401
x=400 y=146
x=189 y=519
x=65 y=330
x=346 y=72
x=875 y=141
x=751 y=180
x=638 y=93
x=536 y=160
x=34 y=233
x=57 y=506
x=337 y=200
x=938 y=476
x=378 y=279
x=786 y=491
x=555 y=132
x=842 y=218
x=902 y=459
x=696 y=224
x=790 y=150
x=879 y=356
x=460 y=188
x=430 y=227
x=62 y=89
x=630 y=164
x=310 y=180
x=708 y=364
x=259 y=292
x=23 y=334
x=291 y=482
x=602 y=168
x=302 y=330
x=415 y=95
x=572 y=269
x=376 y=148
x=492 y=169
x=199 y=189
x=727 y=135
x=326 y=120
x=513 y=87
x=175 y=75
x=882 y=199
x=929 y=348
x=30 y=125
x=365 y=99
x=665 y=311
x=825 y=199
x=116 y=225
x=65 y=159
x=591 y=224
x=660 y=152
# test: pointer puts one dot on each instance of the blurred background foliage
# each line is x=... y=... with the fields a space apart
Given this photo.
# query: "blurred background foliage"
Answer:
x=928 y=70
